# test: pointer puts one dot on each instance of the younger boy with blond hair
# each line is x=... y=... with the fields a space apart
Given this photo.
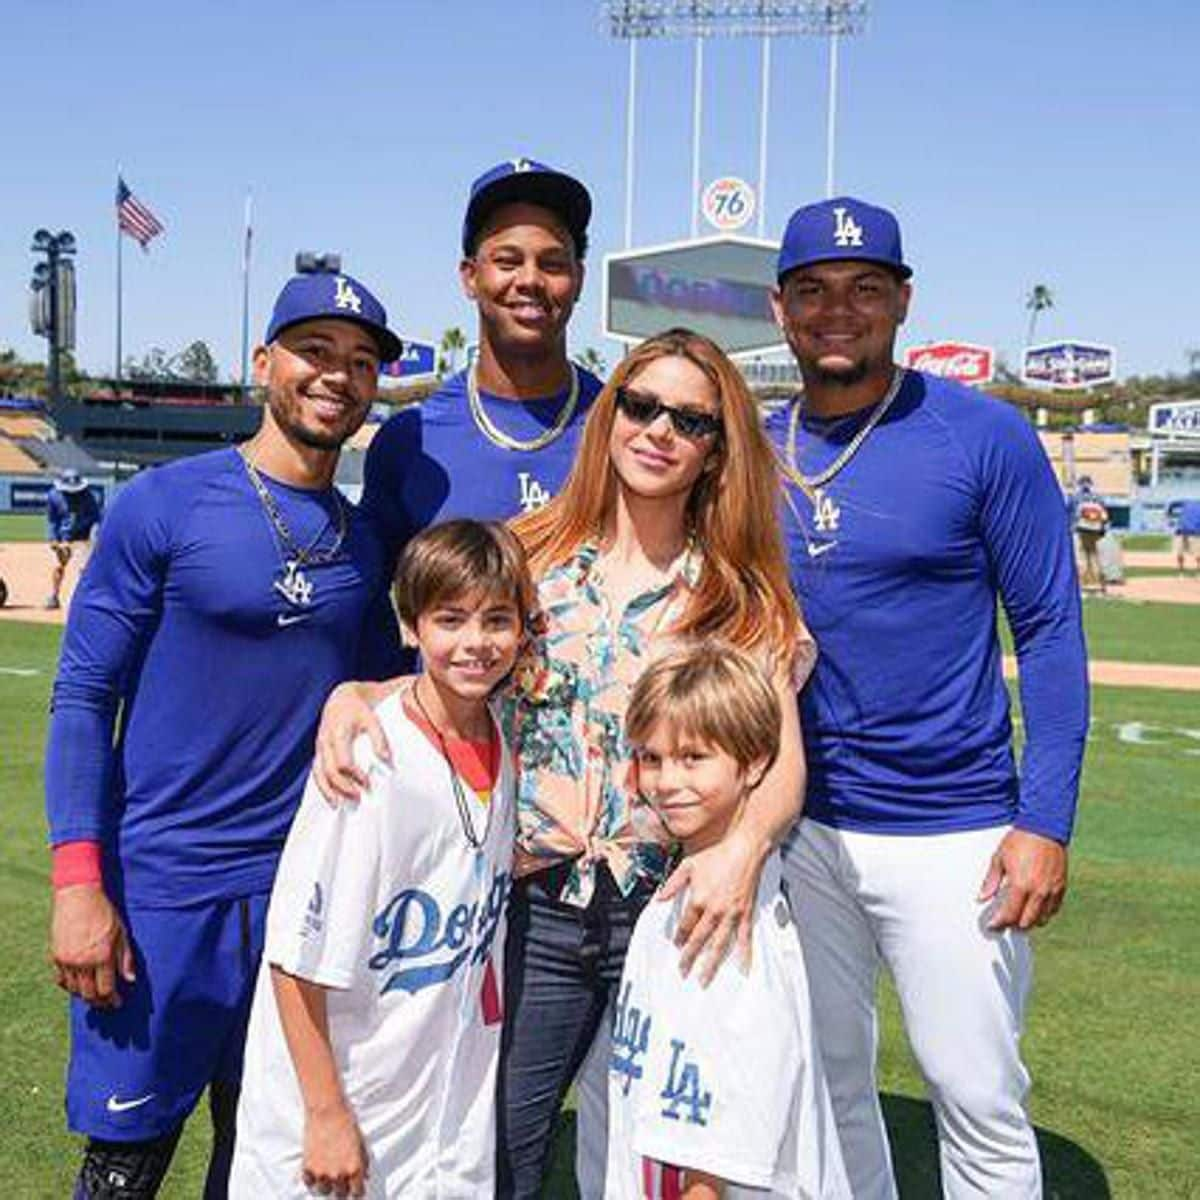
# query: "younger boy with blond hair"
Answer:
x=717 y=1091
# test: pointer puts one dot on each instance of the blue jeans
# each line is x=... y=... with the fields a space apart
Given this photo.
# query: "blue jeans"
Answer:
x=560 y=965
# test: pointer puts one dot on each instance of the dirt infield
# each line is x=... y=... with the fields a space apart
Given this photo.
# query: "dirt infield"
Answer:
x=25 y=568
x=1131 y=674
x=1162 y=589
x=1148 y=558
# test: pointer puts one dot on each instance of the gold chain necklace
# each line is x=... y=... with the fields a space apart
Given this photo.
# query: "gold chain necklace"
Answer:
x=295 y=586
x=809 y=483
x=507 y=442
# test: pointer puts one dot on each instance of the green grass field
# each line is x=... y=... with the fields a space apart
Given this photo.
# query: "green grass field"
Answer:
x=1146 y=541
x=1125 y=632
x=1111 y=1039
x=22 y=527
x=1150 y=572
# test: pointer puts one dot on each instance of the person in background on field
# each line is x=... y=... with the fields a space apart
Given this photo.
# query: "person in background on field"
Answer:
x=373 y=1042
x=719 y=1089
x=229 y=592
x=1091 y=524
x=1187 y=527
x=72 y=513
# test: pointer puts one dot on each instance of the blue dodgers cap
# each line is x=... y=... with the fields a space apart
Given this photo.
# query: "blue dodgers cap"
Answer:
x=342 y=297
x=522 y=180
x=842 y=228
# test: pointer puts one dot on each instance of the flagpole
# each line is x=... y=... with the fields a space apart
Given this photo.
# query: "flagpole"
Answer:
x=246 y=245
x=117 y=218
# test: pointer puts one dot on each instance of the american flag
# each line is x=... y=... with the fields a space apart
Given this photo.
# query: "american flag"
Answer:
x=134 y=218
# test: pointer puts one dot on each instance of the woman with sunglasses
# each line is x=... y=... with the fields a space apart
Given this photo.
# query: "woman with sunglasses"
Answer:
x=664 y=530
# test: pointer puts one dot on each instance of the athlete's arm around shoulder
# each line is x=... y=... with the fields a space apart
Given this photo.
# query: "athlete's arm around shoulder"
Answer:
x=351 y=712
x=1028 y=538
x=113 y=610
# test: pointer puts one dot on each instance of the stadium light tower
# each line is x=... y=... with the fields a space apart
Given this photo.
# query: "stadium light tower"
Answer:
x=52 y=301
x=700 y=19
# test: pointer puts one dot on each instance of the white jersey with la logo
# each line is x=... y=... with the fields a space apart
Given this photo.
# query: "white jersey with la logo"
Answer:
x=387 y=905
x=724 y=1079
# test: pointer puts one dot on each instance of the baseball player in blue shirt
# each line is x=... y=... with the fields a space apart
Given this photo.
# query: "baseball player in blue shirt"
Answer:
x=1187 y=527
x=498 y=438
x=229 y=593
x=72 y=513
x=912 y=505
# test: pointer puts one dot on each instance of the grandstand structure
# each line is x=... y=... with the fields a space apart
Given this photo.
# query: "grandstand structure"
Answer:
x=1105 y=456
x=134 y=423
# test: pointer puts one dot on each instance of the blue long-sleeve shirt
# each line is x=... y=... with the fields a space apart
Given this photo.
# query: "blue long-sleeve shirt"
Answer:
x=948 y=505
x=431 y=462
x=179 y=640
x=71 y=516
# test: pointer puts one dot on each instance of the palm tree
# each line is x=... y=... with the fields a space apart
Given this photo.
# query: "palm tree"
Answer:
x=592 y=360
x=1037 y=302
x=453 y=340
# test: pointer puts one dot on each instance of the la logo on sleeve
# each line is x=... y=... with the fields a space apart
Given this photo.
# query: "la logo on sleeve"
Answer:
x=683 y=1093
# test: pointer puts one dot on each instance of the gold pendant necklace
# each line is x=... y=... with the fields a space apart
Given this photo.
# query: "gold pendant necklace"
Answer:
x=506 y=441
x=810 y=483
x=295 y=586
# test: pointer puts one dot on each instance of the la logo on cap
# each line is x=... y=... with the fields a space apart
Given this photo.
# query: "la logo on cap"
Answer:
x=847 y=231
x=346 y=296
x=521 y=165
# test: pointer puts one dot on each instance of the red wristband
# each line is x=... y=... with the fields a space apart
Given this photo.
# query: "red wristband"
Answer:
x=74 y=863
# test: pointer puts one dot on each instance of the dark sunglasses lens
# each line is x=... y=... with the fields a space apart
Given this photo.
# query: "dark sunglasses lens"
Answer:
x=636 y=408
x=693 y=424
x=685 y=422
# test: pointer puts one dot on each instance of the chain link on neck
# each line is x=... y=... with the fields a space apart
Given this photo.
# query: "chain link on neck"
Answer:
x=506 y=441
x=809 y=483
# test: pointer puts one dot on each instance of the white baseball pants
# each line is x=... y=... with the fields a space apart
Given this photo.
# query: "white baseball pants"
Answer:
x=910 y=903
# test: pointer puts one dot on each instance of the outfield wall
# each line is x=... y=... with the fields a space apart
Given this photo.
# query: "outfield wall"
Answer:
x=27 y=493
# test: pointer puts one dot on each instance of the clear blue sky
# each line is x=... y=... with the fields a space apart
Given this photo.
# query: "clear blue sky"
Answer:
x=1021 y=141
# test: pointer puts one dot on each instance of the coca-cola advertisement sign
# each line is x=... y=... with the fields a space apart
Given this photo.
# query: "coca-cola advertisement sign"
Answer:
x=1069 y=364
x=952 y=360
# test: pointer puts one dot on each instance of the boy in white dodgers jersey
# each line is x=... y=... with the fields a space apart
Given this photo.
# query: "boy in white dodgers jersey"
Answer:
x=717 y=1091
x=371 y=1057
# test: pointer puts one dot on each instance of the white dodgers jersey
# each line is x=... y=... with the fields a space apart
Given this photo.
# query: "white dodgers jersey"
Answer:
x=386 y=904
x=724 y=1079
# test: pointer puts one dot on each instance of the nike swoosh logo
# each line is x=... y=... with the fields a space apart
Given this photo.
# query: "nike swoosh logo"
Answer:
x=118 y=1106
x=817 y=551
x=283 y=619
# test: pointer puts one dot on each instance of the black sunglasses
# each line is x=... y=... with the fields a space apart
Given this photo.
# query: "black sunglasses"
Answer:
x=687 y=422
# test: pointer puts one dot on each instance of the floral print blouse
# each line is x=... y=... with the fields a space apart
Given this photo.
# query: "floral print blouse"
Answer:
x=566 y=713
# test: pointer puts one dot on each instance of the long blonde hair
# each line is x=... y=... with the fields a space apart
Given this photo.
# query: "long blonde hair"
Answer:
x=743 y=594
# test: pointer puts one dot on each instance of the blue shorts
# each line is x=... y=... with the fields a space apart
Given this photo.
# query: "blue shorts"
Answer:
x=137 y=1071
